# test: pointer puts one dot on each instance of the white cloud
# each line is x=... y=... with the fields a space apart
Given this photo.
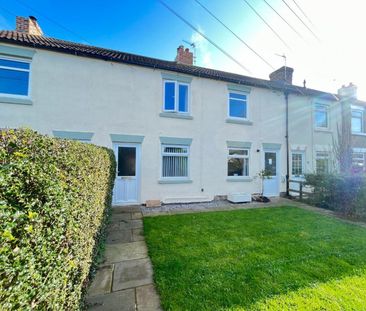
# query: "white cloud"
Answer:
x=203 y=53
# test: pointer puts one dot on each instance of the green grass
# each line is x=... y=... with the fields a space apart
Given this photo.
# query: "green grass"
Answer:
x=260 y=259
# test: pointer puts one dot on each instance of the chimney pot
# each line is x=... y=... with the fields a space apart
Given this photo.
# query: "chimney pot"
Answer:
x=184 y=56
x=348 y=92
x=283 y=74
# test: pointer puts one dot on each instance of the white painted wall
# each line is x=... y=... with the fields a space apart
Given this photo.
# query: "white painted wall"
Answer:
x=71 y=93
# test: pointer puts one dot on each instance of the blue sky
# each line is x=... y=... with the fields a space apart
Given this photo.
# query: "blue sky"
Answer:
x=146 y=27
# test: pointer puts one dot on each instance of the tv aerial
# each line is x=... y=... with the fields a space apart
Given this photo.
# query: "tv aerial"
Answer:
x=193 y=45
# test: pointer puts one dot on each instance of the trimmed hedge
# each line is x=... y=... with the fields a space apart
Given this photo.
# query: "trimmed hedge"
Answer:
x=345 y=194
x=54 y=198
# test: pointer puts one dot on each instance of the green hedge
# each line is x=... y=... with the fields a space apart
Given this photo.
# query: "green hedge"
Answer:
x=54 y=198
x=345 y=194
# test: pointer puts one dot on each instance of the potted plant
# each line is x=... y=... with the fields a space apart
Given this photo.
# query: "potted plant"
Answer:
x=263 y=174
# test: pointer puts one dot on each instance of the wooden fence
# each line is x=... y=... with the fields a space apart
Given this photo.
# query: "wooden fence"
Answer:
x=302 y=193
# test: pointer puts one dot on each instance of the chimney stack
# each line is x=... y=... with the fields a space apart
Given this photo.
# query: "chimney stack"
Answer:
x=184 y=56
x=28 y=25
x=283 y=74
x=348 y=92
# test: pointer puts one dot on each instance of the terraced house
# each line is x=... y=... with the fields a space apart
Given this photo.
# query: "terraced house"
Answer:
x=180 y=133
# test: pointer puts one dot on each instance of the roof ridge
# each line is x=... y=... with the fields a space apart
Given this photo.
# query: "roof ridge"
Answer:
x=80 y=49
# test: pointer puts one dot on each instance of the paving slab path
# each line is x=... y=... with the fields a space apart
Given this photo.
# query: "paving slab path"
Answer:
x=124 y=281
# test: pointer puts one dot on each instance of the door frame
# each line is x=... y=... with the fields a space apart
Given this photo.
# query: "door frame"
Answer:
x=278 y=168
x=138 y=171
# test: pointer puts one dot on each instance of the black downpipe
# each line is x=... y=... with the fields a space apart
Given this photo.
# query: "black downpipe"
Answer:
x=287 y=150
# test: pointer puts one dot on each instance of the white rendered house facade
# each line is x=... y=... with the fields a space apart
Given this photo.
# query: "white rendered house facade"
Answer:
x=180 y=133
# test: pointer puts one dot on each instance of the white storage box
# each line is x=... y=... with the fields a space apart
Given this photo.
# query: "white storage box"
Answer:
x=239 y=197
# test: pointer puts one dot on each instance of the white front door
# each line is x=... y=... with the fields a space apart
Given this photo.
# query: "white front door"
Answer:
x=271 y=185
x=126 y=188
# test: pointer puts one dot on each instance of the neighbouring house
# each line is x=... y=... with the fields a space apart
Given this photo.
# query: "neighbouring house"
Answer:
x=354 y=111
x=180 y=133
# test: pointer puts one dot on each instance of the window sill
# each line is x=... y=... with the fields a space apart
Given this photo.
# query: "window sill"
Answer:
x=239 y=179
x=175 y=115
x=15 y=100
x=175 y=181
x=322 y=130
x=358 y=134
x=239 y=121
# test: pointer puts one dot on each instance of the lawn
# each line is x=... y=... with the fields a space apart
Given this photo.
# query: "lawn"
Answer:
x=281 y=258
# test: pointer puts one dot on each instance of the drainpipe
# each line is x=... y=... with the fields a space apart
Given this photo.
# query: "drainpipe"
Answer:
x=287 y=148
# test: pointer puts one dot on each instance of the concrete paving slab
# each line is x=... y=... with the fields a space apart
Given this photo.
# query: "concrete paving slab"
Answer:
x=120 y=216
x=119 y=236
x=102 y=282
x=137 y=234
x=119 y=301
x=137 y=215
x=125 y=251
x=131 y=224
x=147 y=298
x=132 y=273
x=126 y=209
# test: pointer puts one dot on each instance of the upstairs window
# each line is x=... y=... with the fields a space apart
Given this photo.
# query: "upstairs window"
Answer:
x=357 y=121
x=238 y=105
x=322 y=162
x=176 y=96
x=14 y=76
x=238 y=162
x=175 y=161
x=321 y=116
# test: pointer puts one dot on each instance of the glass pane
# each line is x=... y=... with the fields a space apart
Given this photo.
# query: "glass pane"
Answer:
x=358 y=162
x=235 y=167
x=238 y=152
x=297 y=164
x=183 y=98
x=246 y=167
x=14 y=64
x=322 y=166
x=356 y=125
x=237 y=109
x=177 y=150
x=270 y=163
x=238 y=96
x=175 y=166
x=126 y=161
x=14 y=82
x=169 y=96
x=321 y=119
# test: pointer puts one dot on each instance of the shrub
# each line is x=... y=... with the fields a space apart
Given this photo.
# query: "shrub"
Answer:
x=54 y=195
x=345 y=194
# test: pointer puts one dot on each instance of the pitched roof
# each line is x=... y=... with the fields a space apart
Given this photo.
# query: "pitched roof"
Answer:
x=77 y=49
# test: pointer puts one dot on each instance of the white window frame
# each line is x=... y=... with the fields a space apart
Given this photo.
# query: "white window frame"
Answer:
x=237 y=156
x=325 y=155
x=360 y=110
x=363 y=158
x=22 y=60
x=327 y=111
x=178 y=154
x=176 y=97
x=302 y=154
x=246 y=102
